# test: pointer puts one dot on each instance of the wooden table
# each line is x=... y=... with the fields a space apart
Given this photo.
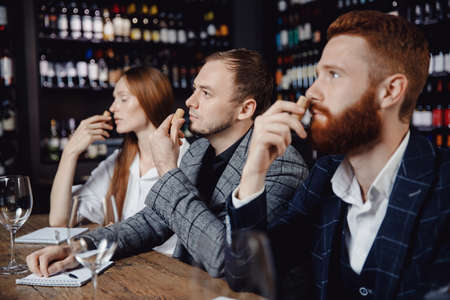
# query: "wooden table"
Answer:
x=146 y=276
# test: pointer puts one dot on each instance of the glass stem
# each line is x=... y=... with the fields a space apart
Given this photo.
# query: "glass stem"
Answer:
x=12 y=262
x=94 y=284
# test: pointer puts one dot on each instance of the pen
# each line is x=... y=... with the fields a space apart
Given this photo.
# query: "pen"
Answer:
x=72 y=275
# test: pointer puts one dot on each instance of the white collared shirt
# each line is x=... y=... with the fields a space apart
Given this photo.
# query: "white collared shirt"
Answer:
x=364 y=219
x=96 y=187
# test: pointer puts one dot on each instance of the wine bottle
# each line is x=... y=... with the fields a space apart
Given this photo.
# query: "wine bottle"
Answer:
x=9 y=116
x=92 y=69
x=108 y=28
x=72 y=78
x=53 y=142
x=86 y=22
x=155 y=24
x=117 y=23
x=126 y=24
x=145 y=24
x=135 y=33
x=44 y=20
x=61 y=74
x=97 y=22
x=171 y=29
x=102 y=70
x=53 y=18
x=63 y=21
x=64 y=139
x=43 y=68
x=75 y=21
x=82 y=72
x=6 y=68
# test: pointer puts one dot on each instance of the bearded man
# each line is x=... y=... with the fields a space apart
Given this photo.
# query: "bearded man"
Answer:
x=373 y=219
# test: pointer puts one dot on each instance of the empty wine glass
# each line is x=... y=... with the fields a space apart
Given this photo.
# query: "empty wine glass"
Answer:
x=261 y=268
x=16 y=203
x=96 y=255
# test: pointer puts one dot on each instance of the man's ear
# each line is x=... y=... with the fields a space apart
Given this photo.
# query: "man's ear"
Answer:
x=392 y=90
x=247 y=109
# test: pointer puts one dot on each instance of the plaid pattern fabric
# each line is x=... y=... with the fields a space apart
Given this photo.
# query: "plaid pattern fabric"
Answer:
x=412 y=247
x=175 y=205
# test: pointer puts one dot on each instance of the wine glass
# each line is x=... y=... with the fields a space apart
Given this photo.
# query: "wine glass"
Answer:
x=16 y=203
x=94 y=256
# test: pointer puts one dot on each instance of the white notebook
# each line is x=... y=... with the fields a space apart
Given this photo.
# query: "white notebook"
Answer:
x=76 y=277
x=49 y=235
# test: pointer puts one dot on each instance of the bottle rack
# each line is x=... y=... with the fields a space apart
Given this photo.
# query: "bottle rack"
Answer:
x=301 y=34
x=9 y=141
x=432 y=114
x=173 y=36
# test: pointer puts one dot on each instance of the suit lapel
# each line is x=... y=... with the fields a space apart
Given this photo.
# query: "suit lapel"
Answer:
x=192 y=159
x=231 y=175
x=414 y=179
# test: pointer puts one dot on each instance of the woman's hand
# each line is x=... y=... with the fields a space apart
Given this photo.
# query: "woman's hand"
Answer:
x=90 y=130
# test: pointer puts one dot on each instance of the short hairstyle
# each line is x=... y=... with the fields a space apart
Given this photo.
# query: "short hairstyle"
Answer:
x=252 y=77
x=398 y=46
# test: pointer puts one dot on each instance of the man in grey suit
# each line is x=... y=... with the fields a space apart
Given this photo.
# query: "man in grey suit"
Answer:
x=188 y=202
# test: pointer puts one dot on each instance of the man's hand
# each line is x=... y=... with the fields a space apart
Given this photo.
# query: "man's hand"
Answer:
x=271 y=136
x=51 y=260
x=165 y=144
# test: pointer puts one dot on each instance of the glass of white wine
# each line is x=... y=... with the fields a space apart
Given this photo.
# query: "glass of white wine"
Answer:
x=90 y=255
x=16 y=203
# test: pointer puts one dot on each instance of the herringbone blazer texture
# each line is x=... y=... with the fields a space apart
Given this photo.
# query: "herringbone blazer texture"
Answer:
x=174 y=205
x=412 y=246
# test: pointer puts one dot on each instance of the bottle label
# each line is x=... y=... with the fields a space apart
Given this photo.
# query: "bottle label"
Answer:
x=437 y=117
x=71 y=71
x=164 y=35
x=63 y=23
x=87 y=23
x=6 y=70
x=3 y=16
x=82 y=69
x=98 y=25
x=9 y=124
x=75 y=23
x=93 y=71
x=53 y=144
x=172 y=36
x=126 y=27
x=155 y=36
x=182 y=39
x=147 y=35
x=117 y=23
x=447 y=117
x=108 y=31
x=136 y=34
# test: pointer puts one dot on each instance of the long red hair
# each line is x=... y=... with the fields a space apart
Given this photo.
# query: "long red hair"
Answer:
x=154 y=93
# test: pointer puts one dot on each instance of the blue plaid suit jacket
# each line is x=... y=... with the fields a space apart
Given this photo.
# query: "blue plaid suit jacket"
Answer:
x=414 y=236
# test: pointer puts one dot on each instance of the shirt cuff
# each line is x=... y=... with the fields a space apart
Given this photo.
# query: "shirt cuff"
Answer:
x=241 y=202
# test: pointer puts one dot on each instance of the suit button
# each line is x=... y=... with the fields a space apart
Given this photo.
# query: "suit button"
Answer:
x=363 y=291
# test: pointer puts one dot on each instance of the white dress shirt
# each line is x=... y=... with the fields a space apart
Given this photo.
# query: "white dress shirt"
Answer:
x=364 y=219
x=95 y=189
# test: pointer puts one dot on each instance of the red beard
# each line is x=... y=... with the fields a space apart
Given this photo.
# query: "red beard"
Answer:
x=352 y=131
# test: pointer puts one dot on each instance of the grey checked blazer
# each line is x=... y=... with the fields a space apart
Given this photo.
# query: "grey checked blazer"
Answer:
x=174 y=205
